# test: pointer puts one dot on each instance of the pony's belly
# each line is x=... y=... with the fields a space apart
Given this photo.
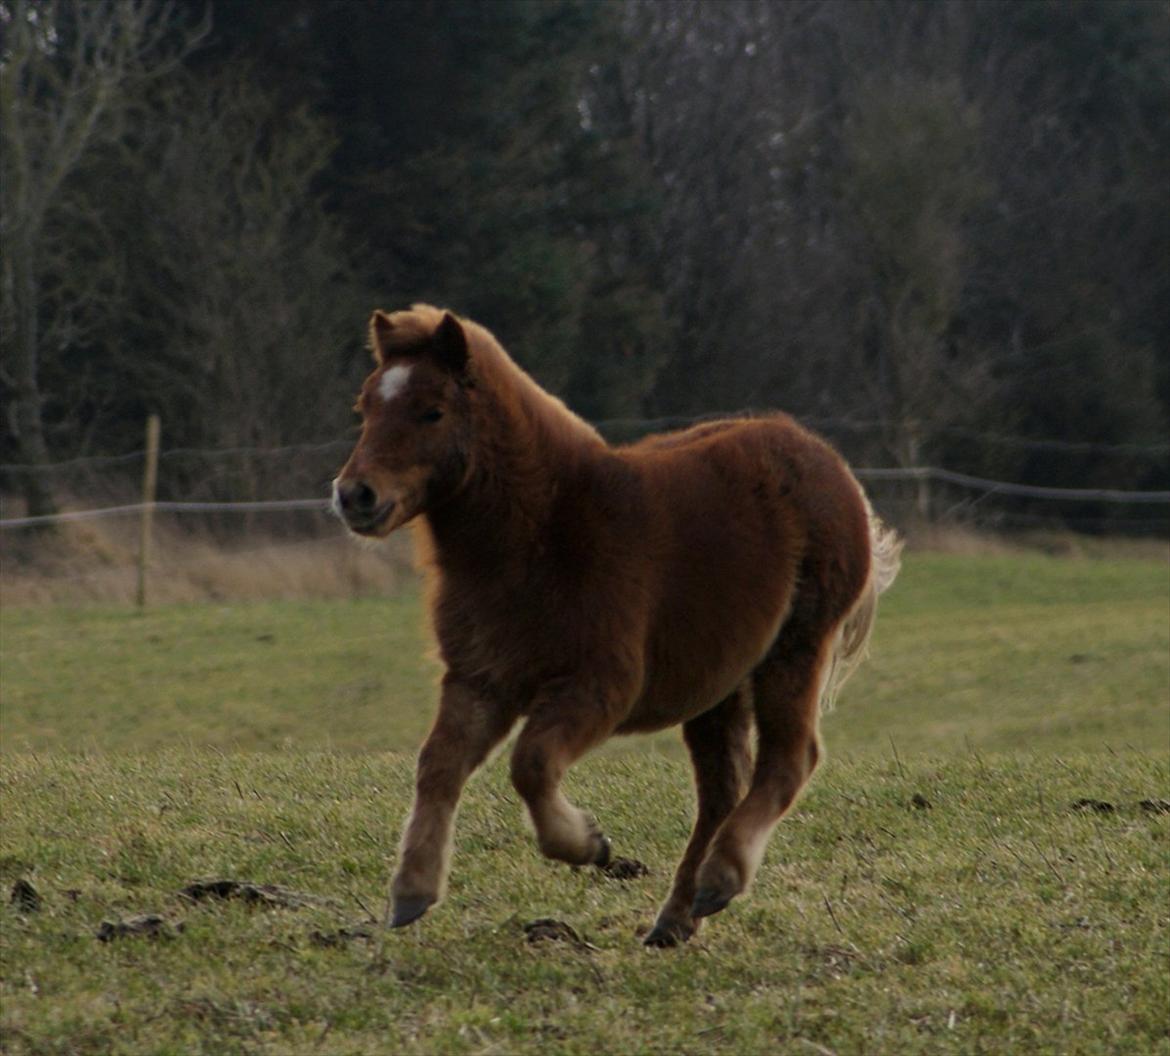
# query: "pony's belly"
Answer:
x=664 y=704
x=686 y=680
x=651 y=715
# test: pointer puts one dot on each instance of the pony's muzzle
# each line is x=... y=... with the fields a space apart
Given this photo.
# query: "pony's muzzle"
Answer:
x=354 y=497
x=356 y=503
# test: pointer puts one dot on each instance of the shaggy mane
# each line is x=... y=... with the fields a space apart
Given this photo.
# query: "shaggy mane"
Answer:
x=491 y=369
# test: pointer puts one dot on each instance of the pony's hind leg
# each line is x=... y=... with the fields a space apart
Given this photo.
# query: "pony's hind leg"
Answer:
x=719 y=741
x=553 y=738
x=786 y=691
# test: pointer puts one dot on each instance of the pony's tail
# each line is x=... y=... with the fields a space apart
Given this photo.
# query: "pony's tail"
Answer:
x=852 y=640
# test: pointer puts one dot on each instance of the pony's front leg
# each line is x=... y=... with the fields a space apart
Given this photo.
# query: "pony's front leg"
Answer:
x=465 y=731
x=554 y=737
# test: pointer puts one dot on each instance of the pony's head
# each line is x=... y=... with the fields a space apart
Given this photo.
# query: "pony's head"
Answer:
x=416 y=424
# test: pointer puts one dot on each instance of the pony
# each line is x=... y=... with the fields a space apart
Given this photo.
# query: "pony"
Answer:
x=722 y=577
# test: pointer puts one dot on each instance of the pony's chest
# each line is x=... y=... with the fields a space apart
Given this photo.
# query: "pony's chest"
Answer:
x=507 y=638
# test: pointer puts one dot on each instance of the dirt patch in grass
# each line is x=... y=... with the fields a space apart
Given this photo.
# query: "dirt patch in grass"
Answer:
x=270 y=896
x=25 y=897
x=548 y=929
x=342 y=936
x=145 y=925
x=625 y=869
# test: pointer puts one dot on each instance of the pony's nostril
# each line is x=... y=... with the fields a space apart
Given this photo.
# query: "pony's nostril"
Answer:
x=363 y=499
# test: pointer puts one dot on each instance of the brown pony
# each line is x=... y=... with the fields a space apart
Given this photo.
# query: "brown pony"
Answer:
x=717 y=577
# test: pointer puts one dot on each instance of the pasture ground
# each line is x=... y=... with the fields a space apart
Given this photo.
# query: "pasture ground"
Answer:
x=980 y=866
x=1006 y=652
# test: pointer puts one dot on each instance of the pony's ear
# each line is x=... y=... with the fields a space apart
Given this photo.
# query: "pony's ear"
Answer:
x=381 y=327
x=450 y=345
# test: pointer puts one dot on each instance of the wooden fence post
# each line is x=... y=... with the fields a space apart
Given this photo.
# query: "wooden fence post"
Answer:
x=921 y=478
x=149 y=486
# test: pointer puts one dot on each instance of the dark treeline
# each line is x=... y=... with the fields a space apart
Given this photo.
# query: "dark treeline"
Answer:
x=937 y=228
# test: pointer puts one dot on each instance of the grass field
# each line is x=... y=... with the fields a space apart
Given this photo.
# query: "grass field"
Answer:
x=938 y=889
x=1023 y=652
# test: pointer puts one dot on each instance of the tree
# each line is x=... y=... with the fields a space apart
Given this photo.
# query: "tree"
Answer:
x=243 y=320
x=944 y=217
x=940 y=216
x=473 y=173
x=910 y=180
x=66 y=71
x=1071 y=300
x=704 y=88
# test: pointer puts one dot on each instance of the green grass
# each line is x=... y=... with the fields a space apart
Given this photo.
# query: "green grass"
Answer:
x=354 y=675
x=271 y=743
x=1016 y=652
x=998 y=919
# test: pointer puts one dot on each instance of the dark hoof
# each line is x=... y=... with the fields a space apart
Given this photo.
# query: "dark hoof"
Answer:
x=668 y=933
x=603 y=853
x=708 y=902
x=408 y=910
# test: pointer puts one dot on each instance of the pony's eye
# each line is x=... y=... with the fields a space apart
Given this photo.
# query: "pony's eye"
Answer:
x=432 y=414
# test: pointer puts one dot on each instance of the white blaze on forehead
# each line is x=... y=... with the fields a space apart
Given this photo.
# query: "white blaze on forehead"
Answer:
x=393 y=382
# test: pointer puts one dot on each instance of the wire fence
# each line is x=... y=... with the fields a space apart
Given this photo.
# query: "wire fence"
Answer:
x=284 y=489
x=617 y=430
x=921 y=474
x=255 y=523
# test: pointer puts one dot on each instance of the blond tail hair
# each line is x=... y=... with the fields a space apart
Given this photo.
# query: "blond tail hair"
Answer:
x=852 y=641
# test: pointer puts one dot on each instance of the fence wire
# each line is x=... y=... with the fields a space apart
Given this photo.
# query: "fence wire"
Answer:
x=273 y=483
x=616 y=429
x=913 y=474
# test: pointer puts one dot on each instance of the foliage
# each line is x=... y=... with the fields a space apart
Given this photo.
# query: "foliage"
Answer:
x=66 y=73
x=506 y=196
x=928 y=220
x=235 y=295
x=917 y=220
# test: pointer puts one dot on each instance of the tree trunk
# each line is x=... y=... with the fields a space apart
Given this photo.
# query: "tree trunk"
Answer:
x=26 y=410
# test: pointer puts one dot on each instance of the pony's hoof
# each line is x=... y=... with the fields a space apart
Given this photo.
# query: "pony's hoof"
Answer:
x=605 y=849
x=709 y=901
x=668 y=933
x=408 y=910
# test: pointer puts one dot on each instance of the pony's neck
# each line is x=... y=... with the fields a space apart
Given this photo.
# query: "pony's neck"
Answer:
x=527 y=446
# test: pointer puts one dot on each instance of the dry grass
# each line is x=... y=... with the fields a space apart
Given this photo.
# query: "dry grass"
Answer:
x=97 y=562
x=964 y=541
